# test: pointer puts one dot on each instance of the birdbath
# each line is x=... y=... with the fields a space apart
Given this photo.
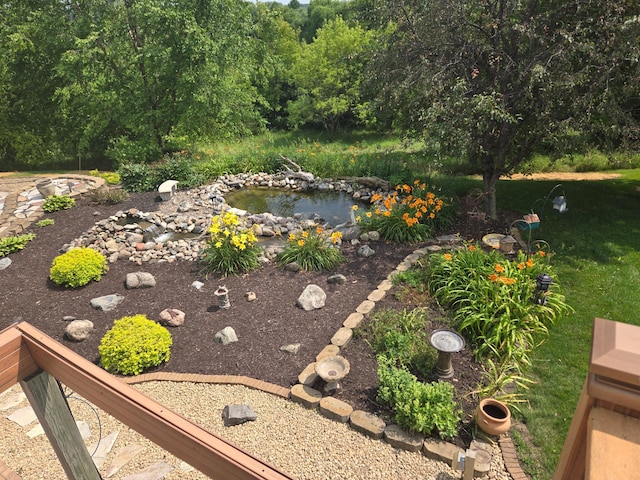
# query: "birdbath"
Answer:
x=445 y=342
x=332 y=370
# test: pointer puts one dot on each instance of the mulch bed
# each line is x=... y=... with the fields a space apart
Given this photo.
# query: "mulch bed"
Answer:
x=262 y=326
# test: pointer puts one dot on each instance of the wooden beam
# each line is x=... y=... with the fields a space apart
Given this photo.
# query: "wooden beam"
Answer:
x=15 y=360
x=203 y=450
x=47 y=400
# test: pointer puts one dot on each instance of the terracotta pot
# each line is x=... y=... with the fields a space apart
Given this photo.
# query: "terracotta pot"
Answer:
x=46 y=187
x=493 y=417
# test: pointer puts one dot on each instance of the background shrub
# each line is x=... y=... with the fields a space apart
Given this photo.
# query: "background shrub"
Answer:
x=134 y=344
x=108 y=196
x=55 y=203
x=137 y=177
x=78 y=267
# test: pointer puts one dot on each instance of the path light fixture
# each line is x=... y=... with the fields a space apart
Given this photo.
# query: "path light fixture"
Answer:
x=543 y=282
x=559 y=203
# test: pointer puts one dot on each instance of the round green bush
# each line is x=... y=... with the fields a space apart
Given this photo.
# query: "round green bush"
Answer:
x=134 y=344
x=78 y=267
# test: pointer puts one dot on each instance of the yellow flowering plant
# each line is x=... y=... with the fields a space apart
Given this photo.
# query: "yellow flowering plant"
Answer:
x=313 y=249
x=409 y=214
x=231 y=248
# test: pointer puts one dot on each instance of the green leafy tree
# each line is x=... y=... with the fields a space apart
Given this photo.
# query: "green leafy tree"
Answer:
x=328 y=75
x=319 y=12
x=490 y=81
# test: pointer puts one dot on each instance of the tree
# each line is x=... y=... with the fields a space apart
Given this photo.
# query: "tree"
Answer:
x=319 y=12
x=328 y=74
x=490 y=80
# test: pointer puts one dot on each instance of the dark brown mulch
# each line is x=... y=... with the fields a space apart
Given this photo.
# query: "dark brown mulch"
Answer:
x=262 y=326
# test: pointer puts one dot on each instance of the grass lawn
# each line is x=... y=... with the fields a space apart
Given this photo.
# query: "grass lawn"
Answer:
x=598 y=262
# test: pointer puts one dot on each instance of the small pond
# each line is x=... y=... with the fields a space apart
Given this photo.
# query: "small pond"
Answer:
x=333 y=207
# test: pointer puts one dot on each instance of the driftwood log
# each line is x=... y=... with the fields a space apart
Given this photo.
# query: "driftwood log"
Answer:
x=299 y=174
x=369 y=182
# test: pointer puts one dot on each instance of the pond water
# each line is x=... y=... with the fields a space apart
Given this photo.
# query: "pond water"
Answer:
x=333 y=207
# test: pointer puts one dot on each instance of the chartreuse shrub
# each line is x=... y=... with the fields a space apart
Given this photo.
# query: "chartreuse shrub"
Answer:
x=417 y=406
x=55 y=203
x=45 y=222
x=231 y=248
x=112 y=178
x=77 y=267
x=409 y=214
x=14 y=243
x=312 y=250
x=134 y=344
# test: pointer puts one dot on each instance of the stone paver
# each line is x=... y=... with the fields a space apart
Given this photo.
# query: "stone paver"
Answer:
x=400 y=438
x=365 y=307
x=376 y=295
x=328 y=351
x=353 y=321
x=367 y=423
x=152 y=472
x=23 y=416
x=308 y=376
x=440 y=450
x=335 y=409
x=342 y=337
x=122 y=457
x=306 y=396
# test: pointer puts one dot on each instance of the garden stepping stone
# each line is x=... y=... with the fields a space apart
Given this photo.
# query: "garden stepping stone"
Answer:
x=12 y=401
x=100 y=450
x=122 y=457
x=152 y=472
x=23 y=416
x=107 y=302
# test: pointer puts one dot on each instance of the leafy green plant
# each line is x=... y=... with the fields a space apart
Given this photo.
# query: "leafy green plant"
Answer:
x=314 y=250
x=134 y=344
x=137 y=177
x=492 y=299
x=407 y=215
x=179 y=166
x=231 y=248
x=78 y=267
x=403 y=337
x=45 y=222
x=112 y=178
x=419 y=407
x=55 y=203
x=14 y=243
x=108 y=196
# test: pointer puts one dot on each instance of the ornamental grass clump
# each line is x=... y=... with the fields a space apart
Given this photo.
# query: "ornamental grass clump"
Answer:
x=231 y=248
x=133 y=345
x=78 y=267
x=313 y=250
x=407 y=215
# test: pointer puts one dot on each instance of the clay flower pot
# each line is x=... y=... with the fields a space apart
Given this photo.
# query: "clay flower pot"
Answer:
x=46 y=187
x=493 y=417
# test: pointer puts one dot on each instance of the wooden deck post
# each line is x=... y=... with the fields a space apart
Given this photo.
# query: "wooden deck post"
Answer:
x=48 y=402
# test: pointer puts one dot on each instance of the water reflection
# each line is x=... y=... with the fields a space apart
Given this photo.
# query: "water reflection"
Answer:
x=333 y=207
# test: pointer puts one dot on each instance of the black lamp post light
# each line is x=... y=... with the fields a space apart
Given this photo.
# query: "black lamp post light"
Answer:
x=543 y=282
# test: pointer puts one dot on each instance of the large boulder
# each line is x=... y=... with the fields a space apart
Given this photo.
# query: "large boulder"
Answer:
x=312 y=298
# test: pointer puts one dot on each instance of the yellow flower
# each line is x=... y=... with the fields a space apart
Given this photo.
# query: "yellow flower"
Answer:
x=336 y=236
x=301 y=243
x=354 y=208
x=218 y=244
x=292 y=237
x=358 y=218
x=448 y=257
x=368 y=214
x=305 y=234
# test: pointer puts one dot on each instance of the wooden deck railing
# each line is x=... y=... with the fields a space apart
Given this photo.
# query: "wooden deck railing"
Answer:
x=38 y=363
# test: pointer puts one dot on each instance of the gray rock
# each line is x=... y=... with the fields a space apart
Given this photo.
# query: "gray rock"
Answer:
x=374 y=235
x=237 y=414
x=140 y=280
x=107 y=302
x=172 y=317
x=197 y=285
x=68 y=318
x=312 y=298
x=292 y=348
x=79 y=330
x=337 y=279
x=365 y=251
x=4 y=263
x=226 y=335
x=292 y=267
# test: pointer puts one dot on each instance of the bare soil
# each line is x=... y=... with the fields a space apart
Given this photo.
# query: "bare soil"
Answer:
x=263 y=326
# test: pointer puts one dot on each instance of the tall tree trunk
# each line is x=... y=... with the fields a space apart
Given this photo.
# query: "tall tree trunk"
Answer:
x=489 y=180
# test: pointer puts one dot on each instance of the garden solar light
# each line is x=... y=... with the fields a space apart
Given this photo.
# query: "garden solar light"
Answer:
x=558 y=203
x=543 y=281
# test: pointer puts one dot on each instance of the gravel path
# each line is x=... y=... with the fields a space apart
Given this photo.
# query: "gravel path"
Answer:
x=296 y=440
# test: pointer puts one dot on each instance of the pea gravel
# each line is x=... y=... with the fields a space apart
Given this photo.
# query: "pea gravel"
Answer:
x=296 y=440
